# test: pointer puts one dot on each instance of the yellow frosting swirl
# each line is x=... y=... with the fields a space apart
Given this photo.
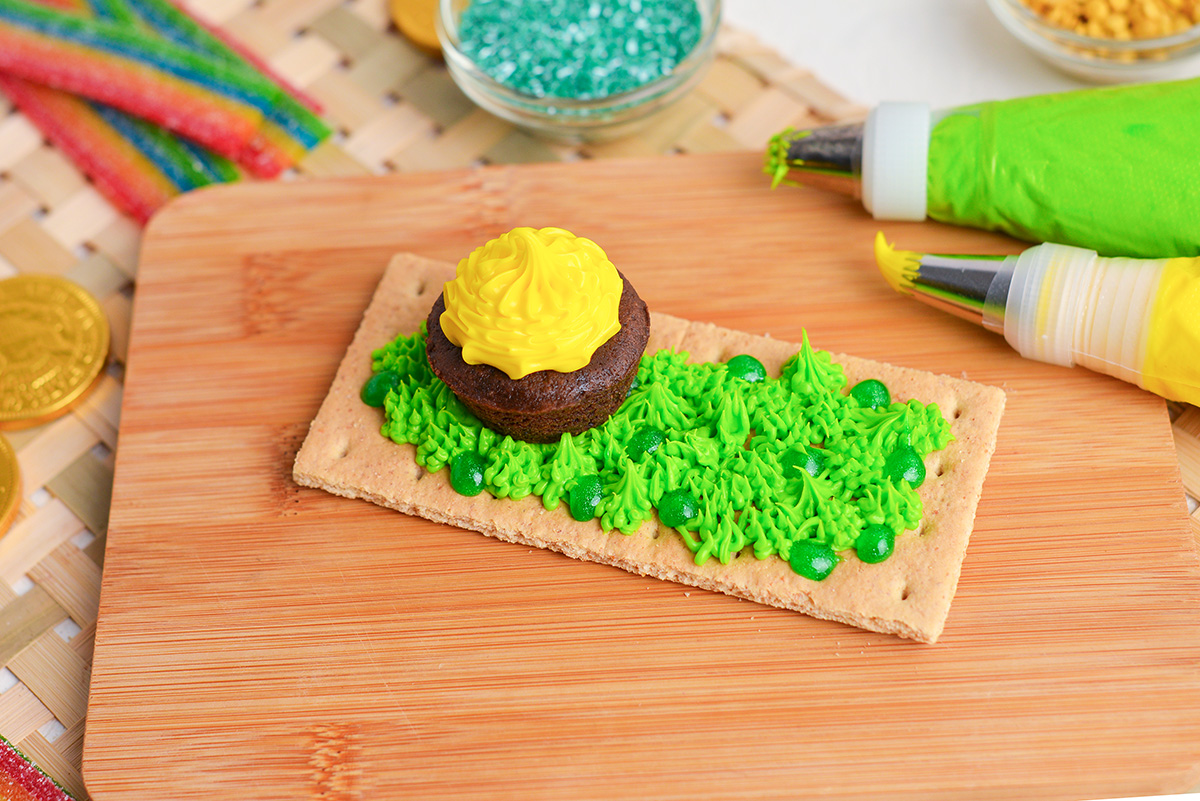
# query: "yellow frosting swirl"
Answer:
x=533 y=300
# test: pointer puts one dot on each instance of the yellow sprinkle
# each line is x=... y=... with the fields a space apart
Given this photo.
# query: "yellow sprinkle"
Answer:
x=899 y=267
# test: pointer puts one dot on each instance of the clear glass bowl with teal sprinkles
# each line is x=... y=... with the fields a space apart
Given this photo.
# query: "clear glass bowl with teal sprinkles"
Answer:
x=577 y=70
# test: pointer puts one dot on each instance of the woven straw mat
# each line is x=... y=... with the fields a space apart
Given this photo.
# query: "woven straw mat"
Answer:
x=394 y=109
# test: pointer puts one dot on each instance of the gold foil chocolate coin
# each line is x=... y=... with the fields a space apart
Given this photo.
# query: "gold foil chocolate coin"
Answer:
x=10 y=485
x=416 y=20
x=53 y=345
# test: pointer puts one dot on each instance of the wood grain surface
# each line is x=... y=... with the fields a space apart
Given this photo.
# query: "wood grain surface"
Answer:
x=257 y=640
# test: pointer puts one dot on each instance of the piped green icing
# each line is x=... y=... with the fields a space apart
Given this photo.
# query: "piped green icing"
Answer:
x=731 y=446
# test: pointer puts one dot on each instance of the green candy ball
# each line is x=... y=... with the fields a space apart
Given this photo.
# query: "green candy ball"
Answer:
x=466 y=473
x=645 y=440
x=905 y=464
x=677 y=507
x=871 y=393
x=584 y=496
x=813 y=560
x=803 y=457
x=747 y=368
x=875 y=543
x=376 y=390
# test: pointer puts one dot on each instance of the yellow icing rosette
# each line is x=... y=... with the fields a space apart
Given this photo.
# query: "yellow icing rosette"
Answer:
x=533 y=299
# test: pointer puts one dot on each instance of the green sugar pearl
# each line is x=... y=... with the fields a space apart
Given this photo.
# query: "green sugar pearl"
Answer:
x=578 y=49
x=466 y=473
x=905 y=464
x=803 y=457
x=875 y=544
x=871 y=393
x=375 y=391
x=645 y=440
x=813 y=560
x=677 y=507
x=584 y=496
x=747 y=368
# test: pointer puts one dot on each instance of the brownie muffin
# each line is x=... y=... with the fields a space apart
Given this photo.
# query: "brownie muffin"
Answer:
x=543 y=405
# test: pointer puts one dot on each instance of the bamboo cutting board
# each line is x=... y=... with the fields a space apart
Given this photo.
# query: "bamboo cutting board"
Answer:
x=257 y=640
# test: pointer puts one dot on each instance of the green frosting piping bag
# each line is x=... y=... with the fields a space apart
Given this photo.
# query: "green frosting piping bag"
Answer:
x=1111 y=169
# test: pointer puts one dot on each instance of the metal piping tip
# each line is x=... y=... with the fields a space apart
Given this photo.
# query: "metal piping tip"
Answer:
x=829 y=157
x=964 y=286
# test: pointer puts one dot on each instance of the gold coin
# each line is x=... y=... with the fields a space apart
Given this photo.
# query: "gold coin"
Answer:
x=416 y=20
x=10 y=485
x=53 y=346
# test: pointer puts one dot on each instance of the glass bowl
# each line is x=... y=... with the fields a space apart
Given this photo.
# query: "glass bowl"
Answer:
x=567 y=119
x=1101 y=60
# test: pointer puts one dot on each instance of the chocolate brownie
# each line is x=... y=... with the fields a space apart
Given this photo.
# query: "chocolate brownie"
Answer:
x=543 y=405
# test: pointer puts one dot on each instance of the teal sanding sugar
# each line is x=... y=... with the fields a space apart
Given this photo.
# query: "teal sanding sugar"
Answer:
x=578 y=49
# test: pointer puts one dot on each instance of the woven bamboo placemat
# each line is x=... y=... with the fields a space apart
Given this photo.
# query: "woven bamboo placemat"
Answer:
x=395 y=109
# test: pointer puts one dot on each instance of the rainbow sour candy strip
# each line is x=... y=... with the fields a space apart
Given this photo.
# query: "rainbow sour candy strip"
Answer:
x=294 y=111
x=187 y=166
x=220 y=170
x=120 y=171
x=90 y=132
x=290 y=127
x=77 y=6
x=20 y=780
x=222 y=124
x=135 y=164
x=112 y=10
x=175 y=24
x=227 y=107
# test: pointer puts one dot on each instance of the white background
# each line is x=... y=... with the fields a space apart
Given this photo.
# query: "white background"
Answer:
x=943 y=52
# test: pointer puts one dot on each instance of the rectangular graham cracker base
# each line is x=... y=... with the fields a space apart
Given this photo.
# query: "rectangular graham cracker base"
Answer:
x=908 y=595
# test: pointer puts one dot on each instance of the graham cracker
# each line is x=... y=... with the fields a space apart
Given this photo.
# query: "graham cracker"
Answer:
x=908 y=595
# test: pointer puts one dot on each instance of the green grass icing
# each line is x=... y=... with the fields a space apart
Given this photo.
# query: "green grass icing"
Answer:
x=740 y=459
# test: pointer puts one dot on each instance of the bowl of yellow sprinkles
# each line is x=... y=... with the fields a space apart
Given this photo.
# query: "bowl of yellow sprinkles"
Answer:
x=1109 y=41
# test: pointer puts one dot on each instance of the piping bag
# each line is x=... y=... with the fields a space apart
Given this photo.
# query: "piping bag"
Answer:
x=1113 y=169
x=1135 y=319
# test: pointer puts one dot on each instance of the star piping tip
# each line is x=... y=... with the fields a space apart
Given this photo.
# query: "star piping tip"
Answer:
x=899 y=267
x=775 y=162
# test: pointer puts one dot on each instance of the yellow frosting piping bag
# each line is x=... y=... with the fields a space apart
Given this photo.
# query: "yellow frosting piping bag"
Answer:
x=1134 y=319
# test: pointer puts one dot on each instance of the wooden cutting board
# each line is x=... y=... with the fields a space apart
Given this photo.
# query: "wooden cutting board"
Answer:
x=260 y=641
